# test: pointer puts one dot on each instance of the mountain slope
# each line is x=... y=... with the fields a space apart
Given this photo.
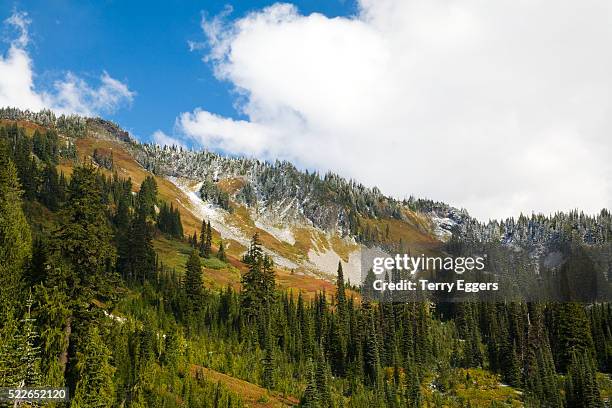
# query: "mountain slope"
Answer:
x=306 y=221
x=305 y=229
x=152 y=323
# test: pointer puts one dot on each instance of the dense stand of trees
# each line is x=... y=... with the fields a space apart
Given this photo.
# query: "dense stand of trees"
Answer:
x=85 y=303
x=169 y=221
x=72 y=125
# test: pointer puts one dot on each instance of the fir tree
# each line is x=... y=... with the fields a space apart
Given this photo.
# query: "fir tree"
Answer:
x=310 y=398
x=253 y=281
x=221 y=253
x=194 y=240
x=208 y=243
x=147 y=197
x=340 y=292
x=572 y=333
x=123 y=223
x=85 y=238
x=337 y=346
x=169 y=221
x=322 y=380
x=193 y=279
x=371 y=357
x=50 y=194
x=10 y=373
x=95 y=386
x=205 y=247
x=581 y=385
x=28 y=350
x=268 y=287
x=15 y=237
x=141 y=252
x=268 y=361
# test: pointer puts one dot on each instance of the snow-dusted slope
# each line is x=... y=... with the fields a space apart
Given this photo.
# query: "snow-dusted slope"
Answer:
x=320 y=259
x=219 y=219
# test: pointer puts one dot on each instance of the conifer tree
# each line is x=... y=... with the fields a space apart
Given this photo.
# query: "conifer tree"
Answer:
x=193 y=279
x=268 y=288
x=571 y=333
x=514 y=367
x=540 y=376
x=268 y=361
x=49 y=193
x=367 y=288
x=95 y=386
x=305 y=326
x=85 y=238
x=135 y=246
x=310 y=398
x=340 y=292
x=337 y=346
x=371 y=355
x=29 y=178
x=147 y=196
x=141 y=251
x=204 y=241
x=28 y=350
x=62 y=188
x=208 y=243
x=169 y=221
x=322 y=380
x=252 y=281
x=123 y=223
x=15 y=237
x=581 y=385
x=52 y=318
x=9 y=357
x=468 y=328
x=172 y=349
x=194 y=240
x=221 y=253
x=177 y=225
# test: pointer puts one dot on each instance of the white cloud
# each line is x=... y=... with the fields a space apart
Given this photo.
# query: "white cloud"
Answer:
x=20 y=21
x=69 y=95
x=163 y=139
x=73 y=94
x=499 y=107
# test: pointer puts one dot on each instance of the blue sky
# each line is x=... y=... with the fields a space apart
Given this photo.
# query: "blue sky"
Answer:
x=447 y=99
x=143 y=44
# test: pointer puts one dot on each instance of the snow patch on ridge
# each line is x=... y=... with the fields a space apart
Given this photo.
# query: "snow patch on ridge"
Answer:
x=217 y=217
x=443 y=227
x=326 y=261
x=321 y=259
x=282 y=234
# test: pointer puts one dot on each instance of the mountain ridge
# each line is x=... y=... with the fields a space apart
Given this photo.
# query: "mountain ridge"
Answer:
x=308 y=221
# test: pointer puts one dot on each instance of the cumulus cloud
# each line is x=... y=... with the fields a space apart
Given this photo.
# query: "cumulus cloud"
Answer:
x=499 y=107
x=71 y=94
x=163 y=139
